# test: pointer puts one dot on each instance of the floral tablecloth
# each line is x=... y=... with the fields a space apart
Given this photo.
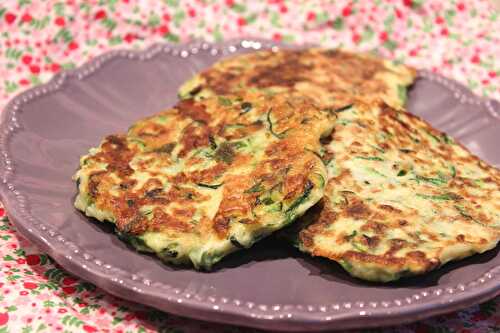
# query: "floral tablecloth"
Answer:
x=460 y=39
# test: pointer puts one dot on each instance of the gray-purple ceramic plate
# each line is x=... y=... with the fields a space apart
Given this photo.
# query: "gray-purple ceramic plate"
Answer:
x=45 y=130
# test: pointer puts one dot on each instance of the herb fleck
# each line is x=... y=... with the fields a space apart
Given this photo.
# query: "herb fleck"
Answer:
x=447 y=139
x=225 y=153
x=402 y=173
x=213 y=144
x=255 y=188
x=224 y=101
x=246 y=107
x=235 y=242
x=343 y=108
x=453 y=171
x=212 y=186
x=166 y=148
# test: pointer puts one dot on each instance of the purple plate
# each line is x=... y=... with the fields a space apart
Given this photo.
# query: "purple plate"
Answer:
x=271 y=286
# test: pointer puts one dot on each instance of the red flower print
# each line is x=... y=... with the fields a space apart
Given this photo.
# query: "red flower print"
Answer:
x=33 y=259
x=68 y=290
x=73 y=46
x=30 y=285
x=26 y=59
x=311 y=16
x=26 y=18
x=229 y=3
x=475 y=59
x=461 y=6
x=163 y=30
x=10 y=18
x=444 y=32
x=241 y=21
x=24 y=82
x=283 y=9
x=166 y=17
x=129 y=37
x=23 y=293
x=21 y=261
x=492 y=74
x=356 y=38
x=89 y=329
x=55 y=67
x=60 y=21
x=399 y=14
x=61 y=310
x=2 y=212
x=439 y=20
x=35 y=69
x=4 y=318
x=413 y=52
x=191 y=12
x=69 y=281
x=408 y=3
x=101 y=14
x=383 y=36
x=346 y=11
x=277 y=36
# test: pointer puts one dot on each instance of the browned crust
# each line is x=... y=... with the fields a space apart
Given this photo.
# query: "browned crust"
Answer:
x=341 y=75
x=429 y=148
x=285 y=165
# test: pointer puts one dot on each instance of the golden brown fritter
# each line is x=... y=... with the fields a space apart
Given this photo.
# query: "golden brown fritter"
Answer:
x=402 y=198
x=203 y=179
x=333 y=78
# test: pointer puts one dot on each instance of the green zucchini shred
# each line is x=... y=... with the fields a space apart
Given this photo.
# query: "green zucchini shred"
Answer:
x=135 y=241
x=453 y=171
x=277 y=135
x=445 y=196
x=307 y=191
x=435 y=181
x=236 y=243
x=255 y=188
x=402 y=93
x=211 y=186
x=370 y=158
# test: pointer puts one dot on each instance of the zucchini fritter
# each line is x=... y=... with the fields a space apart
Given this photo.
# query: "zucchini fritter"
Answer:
x=333 y=78
x=206 y=178
x=402 y=198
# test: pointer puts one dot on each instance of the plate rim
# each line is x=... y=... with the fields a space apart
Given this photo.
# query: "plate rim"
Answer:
x=219 y=308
